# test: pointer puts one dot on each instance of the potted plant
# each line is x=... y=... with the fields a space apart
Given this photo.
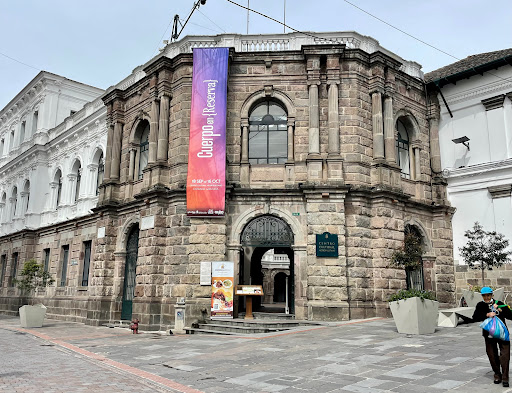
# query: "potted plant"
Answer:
x=33 y=276
x=483 y=250
x=472 y=294
x=414 y=311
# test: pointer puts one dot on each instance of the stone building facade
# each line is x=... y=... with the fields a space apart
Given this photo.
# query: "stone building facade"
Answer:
x=330 y=133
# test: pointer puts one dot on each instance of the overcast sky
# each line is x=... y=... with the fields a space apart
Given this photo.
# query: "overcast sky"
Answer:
x=101 y=42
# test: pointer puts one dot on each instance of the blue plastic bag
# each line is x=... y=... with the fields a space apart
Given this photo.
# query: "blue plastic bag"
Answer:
x=496 y=328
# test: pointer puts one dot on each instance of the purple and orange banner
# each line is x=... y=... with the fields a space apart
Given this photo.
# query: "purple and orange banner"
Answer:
x=206 y=178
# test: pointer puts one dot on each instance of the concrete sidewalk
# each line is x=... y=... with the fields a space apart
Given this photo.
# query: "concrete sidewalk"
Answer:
x=354 y=356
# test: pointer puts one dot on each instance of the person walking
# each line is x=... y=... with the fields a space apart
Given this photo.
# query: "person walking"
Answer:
x=489 y=308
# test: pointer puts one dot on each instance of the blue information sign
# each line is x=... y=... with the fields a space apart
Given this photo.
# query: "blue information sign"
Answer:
x=327 y=245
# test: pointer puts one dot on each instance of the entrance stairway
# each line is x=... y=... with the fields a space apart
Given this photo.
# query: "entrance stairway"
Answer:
x=240 y=326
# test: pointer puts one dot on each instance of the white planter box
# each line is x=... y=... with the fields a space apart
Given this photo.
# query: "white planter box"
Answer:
x=472 y=298
x=32 y=316
x=414 y=315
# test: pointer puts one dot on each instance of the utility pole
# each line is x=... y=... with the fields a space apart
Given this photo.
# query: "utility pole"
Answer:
x=284 y=17
x=248 y=16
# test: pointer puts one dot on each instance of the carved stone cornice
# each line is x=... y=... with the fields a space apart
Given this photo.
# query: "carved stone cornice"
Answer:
x=501 y=191
x=494 y=102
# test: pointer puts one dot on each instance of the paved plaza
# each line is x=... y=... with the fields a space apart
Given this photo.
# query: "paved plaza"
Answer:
x=366 y=356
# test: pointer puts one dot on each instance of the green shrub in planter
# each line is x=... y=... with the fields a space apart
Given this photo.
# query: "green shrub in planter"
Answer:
x=408 y=293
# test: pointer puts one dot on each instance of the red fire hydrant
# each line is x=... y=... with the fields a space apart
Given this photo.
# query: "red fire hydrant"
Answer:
x=135 y=326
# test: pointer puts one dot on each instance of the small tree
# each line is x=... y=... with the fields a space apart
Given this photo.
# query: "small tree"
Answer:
x=33 y=276
x=409 y=257
x=484 y=250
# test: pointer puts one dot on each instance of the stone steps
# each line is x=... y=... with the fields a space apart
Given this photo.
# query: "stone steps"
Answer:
x=245 y=327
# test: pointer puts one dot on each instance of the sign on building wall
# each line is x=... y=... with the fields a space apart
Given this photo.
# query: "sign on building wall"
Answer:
x=223 y=275
x=206 y=178
x=327 y=245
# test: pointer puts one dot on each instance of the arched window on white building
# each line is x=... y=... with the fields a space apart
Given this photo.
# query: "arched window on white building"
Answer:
x=57 y=183
x=76 y=178
x=22 y=131
x=14 y=202
x=99 y=166
x=11 y=142
x=35 y=119
x=25 y=197
x=3 y=208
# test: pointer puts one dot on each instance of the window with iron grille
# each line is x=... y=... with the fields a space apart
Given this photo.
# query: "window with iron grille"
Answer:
x=87 y=263
x=64 y=269
x=3 y=260
x=14 y=268
x=46 y=260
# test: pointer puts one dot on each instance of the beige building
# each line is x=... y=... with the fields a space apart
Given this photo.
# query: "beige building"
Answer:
x=325 y=133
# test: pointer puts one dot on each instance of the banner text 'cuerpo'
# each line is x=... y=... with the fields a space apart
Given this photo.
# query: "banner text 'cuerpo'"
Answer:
x=206 y=178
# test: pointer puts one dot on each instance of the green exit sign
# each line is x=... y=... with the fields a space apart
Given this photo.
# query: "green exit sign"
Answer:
x=295 y=214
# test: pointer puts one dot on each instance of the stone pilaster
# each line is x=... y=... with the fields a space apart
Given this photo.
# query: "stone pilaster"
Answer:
x=163 y=129
x=378 y=131
x=153 y=131
x=116 y=151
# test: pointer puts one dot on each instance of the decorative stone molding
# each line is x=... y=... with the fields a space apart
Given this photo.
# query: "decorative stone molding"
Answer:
x=501 y=191
x=494 y=102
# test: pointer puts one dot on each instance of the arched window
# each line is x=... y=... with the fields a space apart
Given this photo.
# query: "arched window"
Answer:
x=403 y=149
x=77 y=171
x=268 y=137
x=11 y=145
x=3 y=208
x=100 y=174
x=14 y=202
x=22 y=131
x=143 y=151
x=58 y=181
x=26 y=195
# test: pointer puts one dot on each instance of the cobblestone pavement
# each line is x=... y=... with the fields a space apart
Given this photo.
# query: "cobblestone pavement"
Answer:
x=358 y=356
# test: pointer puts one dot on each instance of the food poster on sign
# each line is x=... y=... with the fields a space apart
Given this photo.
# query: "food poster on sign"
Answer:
x=222 y=290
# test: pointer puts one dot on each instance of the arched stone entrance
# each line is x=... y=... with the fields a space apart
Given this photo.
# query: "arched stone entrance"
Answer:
x=132 y=251
x=259 y=236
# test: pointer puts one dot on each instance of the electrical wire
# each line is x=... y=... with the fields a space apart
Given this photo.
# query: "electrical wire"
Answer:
x=18 y=61
x=373 y=16
x=206 y=16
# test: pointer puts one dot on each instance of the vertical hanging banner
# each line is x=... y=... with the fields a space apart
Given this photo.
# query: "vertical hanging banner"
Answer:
x=206 y=177
x=223 y=276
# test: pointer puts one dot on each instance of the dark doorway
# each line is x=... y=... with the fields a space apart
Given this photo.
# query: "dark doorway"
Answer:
x=132 y=251
x=280 y=288
x=267 y=242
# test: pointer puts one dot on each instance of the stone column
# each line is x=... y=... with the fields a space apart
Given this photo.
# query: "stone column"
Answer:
x=333 y=120
x=163 y=129
x=378 y=132
x=131 y=169
x=290 y=140
x=389 y=131
x=314 y=120
x=2 y=213
x=153 y=132
x=245 y=141
x=108 y=153
x=116 y=151
x=435 y=151
x=93 y=179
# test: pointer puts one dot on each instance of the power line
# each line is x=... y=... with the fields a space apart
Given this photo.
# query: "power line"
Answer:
x=18 y=61
x=206 y=16
x=400 y=30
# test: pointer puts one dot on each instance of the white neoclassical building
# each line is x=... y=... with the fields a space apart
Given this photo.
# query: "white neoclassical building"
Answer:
x=475 y=137
x=52 y=140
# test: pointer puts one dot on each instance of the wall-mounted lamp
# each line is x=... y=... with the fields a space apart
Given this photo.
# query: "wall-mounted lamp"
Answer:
x=463 y=139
